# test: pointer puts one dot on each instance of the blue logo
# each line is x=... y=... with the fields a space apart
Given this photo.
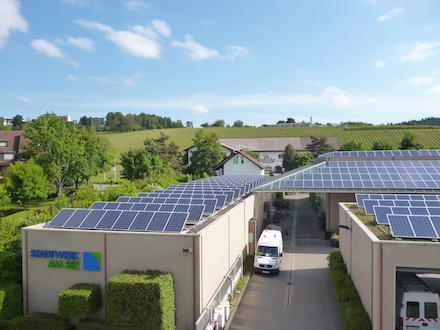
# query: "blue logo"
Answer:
x=92 y=261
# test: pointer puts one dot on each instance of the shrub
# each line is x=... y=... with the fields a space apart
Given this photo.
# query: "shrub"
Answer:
x=353 y=313
x=40 y=321
x=80 y=300
x=142 y=300
x=92 y=324
x=11 y=301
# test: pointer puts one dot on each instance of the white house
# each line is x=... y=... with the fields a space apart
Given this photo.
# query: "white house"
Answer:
x=239 y=162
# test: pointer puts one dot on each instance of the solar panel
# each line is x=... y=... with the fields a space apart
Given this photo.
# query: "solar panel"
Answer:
x=76 y=219
x=124 y=221
x=176 y=222
x=158 y=221
x=61 y=218
x=92 y=219
x=141 y=222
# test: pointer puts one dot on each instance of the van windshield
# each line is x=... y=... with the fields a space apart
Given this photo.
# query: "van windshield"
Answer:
x=267 y=251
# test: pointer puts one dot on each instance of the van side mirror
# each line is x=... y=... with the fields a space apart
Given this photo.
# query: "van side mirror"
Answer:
x=281 y=254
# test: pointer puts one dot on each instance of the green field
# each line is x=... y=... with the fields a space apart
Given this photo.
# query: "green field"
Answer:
x=428 y=136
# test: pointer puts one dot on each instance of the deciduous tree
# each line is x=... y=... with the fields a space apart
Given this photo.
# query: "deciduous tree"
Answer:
x=208 y=153
x=168 y=152
x=352 y=146
x=409 y=142
x=140 y=164
x=25 y=182
x=382 y=145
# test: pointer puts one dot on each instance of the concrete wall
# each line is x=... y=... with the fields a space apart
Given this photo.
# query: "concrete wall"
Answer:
x=119 y=251
x=372 y=264
x=197 y=274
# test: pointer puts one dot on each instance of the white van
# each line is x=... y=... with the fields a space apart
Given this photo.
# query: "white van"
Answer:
x=417 y=306
x=269 y=252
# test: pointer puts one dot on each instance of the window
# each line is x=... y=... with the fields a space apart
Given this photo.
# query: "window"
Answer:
x=280 y=156
x=3 y=143
x=430 y=310
x=412 y=309
x=235 y=160
x=8 y=156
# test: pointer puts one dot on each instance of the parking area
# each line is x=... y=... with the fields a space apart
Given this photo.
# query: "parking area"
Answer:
x=302 y=295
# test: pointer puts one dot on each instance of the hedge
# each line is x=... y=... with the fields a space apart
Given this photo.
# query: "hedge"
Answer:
x=40 y=321
x=80 y=300
x=353 y=313
x=142 y=300
x=92 y=324
x=11 y=301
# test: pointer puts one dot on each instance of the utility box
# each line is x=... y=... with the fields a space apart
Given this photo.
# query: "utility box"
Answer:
x=221 y=319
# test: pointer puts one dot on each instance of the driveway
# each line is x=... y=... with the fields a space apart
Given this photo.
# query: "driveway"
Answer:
x=302 y=295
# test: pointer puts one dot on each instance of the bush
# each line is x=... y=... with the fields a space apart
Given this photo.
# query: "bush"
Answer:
x=353 y=313
x=40 y=321
x=11 y=301
x=80 y=300
x=143 y=300
x=92 y=324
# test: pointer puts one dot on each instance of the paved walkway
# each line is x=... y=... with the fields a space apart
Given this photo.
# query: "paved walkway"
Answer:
x=302 y=295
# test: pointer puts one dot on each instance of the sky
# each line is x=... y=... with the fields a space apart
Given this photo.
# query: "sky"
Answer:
x=261 y=61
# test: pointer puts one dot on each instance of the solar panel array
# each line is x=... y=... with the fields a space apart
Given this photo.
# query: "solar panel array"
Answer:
x=355 y=175
x=409 y=216
x=167 y=210
x=383 y=153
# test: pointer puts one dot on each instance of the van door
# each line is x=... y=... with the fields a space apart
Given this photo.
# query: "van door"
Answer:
x=421 y=313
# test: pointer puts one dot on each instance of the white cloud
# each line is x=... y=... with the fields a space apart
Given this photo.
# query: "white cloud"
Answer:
x=380 y=64
x=195 y=50
x=129 y=82
x=84 y=43
x=198 y=110
x=417 y=81
x=162 y=27
x=433 y=92
x=72 y=78
x=47 y=48
x=27 y=100
x=10 y=20
x=135 y=5
x=337 y=97
x=232 y=52
x=421 y=51
x=392 y=13
x=140 y=42
x=99 y=79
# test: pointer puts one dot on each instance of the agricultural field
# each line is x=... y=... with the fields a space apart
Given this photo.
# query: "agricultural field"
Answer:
x=428 y=136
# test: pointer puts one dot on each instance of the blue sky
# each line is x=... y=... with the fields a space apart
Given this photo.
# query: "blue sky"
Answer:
x=257 y=61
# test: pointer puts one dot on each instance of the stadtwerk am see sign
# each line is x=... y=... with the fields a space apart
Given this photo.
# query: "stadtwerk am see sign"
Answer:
x=69 y=259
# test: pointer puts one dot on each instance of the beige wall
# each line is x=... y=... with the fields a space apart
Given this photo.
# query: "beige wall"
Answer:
x=197 y=275
x=372 y=265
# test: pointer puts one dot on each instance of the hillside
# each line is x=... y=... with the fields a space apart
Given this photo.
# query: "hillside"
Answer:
x=428 y=136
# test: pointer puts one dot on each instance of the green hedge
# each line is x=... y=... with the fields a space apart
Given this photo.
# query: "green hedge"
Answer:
x=143 y=300
x=11 y=301
x=80 y=300
x=40 y=321
x=92 y=324
x=353 y=313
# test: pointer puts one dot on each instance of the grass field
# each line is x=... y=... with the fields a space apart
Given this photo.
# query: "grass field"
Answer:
x=429 y=137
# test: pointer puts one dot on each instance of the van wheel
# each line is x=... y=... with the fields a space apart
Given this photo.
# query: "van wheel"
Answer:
x=277 y=272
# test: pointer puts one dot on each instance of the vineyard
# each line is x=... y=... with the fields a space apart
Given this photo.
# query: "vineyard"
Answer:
x=429 y=138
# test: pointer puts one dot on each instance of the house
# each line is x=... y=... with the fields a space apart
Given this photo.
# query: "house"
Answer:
x=11 y=143
x=239 y=162
x=270 y=150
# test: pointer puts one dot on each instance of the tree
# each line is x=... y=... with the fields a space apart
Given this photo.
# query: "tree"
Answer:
x=293 y=159
x=57 y=147
x=254 y=155
x=17 y=122
x=352 y=146
x=25 y=182
x=238 y=123
x=289 y=156
x=409 y=142
x=204 y=125
x=139 y=164
x=4 y=197
x=382 y=145
x=219 y=123
x=208 y=153
x=189 y=124
x=168 y=152
x=319 y=146
x=129 y=124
